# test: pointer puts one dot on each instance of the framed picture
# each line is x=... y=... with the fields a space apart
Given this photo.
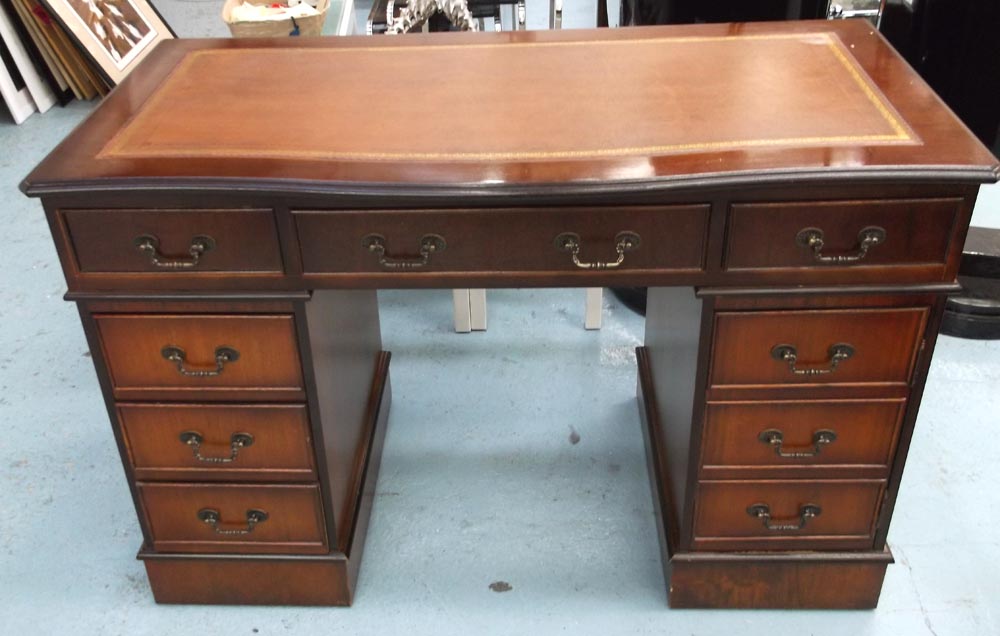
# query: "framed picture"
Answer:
x=114 y=34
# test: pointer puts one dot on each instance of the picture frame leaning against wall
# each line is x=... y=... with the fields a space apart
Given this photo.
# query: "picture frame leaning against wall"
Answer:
x=114 y=34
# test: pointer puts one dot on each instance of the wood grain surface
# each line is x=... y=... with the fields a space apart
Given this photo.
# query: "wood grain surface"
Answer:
x=294 y=523
x=268 y=353
x=884 y=341
x=281 y=449
x=846 y=520
x=664 y=103
x=865 y=432
x=243 y=240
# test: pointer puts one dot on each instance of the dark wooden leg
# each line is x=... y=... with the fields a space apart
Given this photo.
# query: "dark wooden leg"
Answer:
x=602 y=13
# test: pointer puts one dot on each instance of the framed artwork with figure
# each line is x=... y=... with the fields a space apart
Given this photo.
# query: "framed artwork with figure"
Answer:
x=114 y=34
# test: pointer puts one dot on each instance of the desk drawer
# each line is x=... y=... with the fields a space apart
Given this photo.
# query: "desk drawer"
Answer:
x=227 y=518
x=209 y=442
x=201 y=355
x=505 y=240
x=913 y=232
x=843 y=346
x=783 y=515
x=768 y=437
x=174 y=242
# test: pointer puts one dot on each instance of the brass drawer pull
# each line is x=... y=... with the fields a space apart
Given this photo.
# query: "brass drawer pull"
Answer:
x=211 y=517
x=787 y=353
x=222 y=356
x=775 y=439
x=236 y=442
x=763 y=512
x=812 y=238
x=624 y=242
x=150 y=246
x=430 y=244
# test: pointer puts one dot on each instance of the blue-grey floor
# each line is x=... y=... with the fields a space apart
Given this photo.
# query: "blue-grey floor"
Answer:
x=512 y=456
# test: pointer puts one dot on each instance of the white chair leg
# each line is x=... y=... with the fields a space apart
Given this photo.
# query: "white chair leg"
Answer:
x=463 y=310
x=477 y=309
x=592 y=315
x=470 y=309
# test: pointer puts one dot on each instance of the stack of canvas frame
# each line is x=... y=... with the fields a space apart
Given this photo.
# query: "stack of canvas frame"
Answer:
x=56 y=50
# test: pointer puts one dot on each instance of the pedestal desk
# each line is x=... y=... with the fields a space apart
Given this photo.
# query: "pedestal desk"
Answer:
x=794 y=196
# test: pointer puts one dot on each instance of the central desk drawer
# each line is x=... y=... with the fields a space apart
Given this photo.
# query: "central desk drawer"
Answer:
x=211 y=356
x=501 y=240
x=796 y=347
x=225 y=518
x=212 y=442
x=781 y=515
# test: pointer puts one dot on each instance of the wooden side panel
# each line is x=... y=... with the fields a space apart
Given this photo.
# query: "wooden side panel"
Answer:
x=379 y=410
x=673 y=326
x=345 y=344
x=909 y=420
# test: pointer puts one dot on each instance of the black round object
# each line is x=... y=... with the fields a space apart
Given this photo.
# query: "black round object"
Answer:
x=632 y=297
x=975 y=313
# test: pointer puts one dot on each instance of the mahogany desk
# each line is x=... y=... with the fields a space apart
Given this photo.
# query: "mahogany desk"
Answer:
x=799 y=177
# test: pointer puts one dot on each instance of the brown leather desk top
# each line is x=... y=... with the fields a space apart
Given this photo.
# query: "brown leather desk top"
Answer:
x=741 y=101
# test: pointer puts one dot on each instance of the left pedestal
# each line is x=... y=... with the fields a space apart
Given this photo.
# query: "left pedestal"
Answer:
x=250 y=429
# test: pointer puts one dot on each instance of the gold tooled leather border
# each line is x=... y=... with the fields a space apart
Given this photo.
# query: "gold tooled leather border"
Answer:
x=118 y=146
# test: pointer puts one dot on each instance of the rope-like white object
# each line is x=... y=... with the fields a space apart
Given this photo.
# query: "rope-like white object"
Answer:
x=416 y=12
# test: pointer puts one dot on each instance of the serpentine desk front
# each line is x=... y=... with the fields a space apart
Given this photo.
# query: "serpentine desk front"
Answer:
x=794 y=196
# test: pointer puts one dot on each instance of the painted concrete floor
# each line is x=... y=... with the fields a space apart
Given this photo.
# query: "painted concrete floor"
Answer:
x=513 y=455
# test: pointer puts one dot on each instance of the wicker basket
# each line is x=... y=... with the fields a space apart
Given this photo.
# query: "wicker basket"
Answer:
x=311 y=25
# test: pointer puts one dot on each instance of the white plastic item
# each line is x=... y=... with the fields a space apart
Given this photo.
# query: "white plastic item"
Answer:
x=39 y=95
